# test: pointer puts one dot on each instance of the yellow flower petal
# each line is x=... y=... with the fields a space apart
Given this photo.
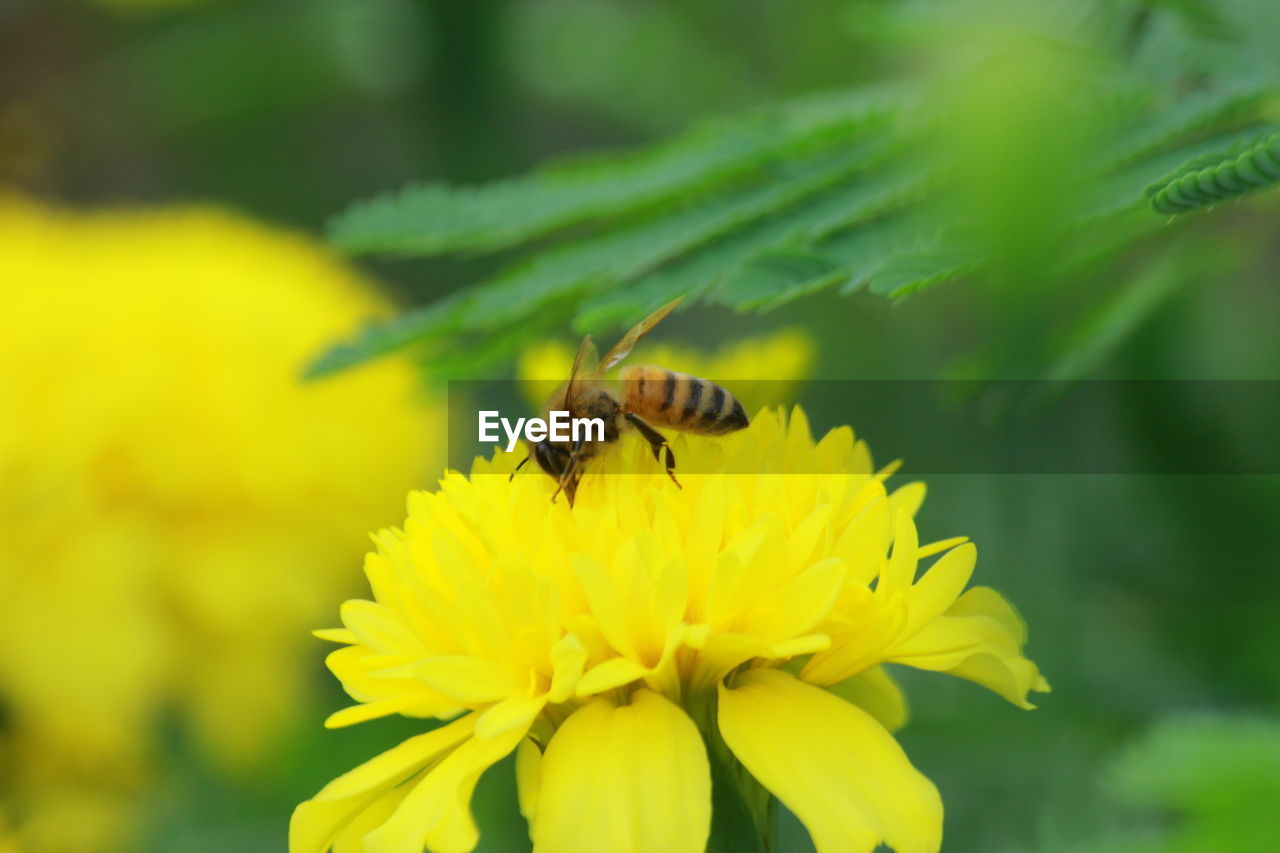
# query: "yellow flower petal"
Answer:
x=351 y=838
x=875 y=692
x=610 y=674
x=377 y=627
x=908 y=498
x=336 y=635
x=940 y=546
x=624 y=779
x=940 y=586
x=366 y=711
x=528 y=776
x=437 y=812
x=568 y=660
x=316 y=822
x=352 y=665
x=831 y=763
x=901 y=570
x=467 y=679
x=985 y=601
x=869 y=626
x=979 y=638
x=1009 y=677
x=516 y=712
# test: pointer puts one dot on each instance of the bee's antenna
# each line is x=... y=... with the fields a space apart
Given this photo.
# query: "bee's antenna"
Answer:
x=518 y=467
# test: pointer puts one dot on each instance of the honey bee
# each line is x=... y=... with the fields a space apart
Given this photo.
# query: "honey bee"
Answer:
x=650 y=395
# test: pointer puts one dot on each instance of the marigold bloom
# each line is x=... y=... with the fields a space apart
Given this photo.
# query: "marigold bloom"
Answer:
x=608 y=642
x=174 y=504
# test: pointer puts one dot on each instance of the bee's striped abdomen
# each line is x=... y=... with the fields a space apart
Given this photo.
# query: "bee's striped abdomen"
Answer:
x=678 y=400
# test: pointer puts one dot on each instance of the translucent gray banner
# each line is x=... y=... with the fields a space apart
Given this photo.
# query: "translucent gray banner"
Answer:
x=1126 y=427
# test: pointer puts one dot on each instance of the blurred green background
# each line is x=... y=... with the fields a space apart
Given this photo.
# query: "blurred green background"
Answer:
x=1153 y=601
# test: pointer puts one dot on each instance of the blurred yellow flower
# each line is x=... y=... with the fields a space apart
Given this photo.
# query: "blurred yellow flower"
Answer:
x=608 y=641
x=175 y=506
x=768 y=367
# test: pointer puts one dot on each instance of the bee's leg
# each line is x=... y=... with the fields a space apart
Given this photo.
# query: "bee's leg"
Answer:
x=571 y=487
x=569 y=476
x=518 y=467
x=657 y=443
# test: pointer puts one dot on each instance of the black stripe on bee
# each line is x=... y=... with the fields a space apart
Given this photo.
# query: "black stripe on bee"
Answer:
x=711 y=415
x=737 y=418
x=671 y=391
x=694 y=398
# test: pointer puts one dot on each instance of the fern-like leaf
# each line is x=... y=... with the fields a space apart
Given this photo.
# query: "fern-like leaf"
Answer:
x=1197 y=114
x=594 y=265
x=432 y=219
x=1212 y=178
x=837 y=191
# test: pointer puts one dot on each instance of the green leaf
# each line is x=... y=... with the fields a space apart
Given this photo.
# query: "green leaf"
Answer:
x=850 y=256
x=1128 y=188
x=1219 y=775
x=1093 y=339
x=625 y=254
x=712 y=271
x=838 y=190
x=1200 y=113
x=598 y=263
x=1194 y=758
x=920 y=267
x=435 y=218
x=383 y=337
x=733 y=828
x=1239 y=169
x=775 y=276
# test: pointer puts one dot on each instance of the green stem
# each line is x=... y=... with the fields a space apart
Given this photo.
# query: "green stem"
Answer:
x=742 y=819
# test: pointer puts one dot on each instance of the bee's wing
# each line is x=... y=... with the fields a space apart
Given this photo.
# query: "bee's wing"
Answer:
x=586 y=365
x=623 y=348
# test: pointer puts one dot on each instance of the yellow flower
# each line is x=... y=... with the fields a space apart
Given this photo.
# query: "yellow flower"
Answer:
x=768 y=368
x=606 y=641
x=175 y=505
